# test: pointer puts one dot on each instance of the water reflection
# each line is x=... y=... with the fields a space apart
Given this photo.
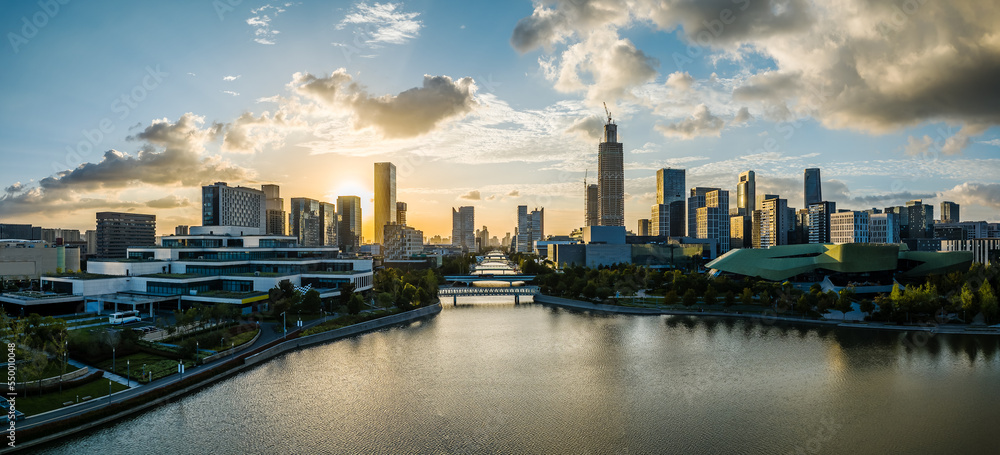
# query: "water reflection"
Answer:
x=538 y=379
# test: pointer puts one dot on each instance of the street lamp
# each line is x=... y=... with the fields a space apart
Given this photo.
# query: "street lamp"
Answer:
x=112 y=360
x=222 y=343
x=128 y=374
x=109 y=391
x=284 y=325
x=144 y=372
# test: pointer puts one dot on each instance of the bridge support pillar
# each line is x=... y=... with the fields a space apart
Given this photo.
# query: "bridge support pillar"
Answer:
x=454 y=300
x=517 y=300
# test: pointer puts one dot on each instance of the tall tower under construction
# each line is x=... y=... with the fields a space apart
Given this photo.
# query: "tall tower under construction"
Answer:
x=611 y=177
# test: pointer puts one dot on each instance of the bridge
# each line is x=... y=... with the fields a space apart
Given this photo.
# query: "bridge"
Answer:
x=516 y=291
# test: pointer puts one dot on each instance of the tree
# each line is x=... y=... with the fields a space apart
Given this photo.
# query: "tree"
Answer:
x=844 y=302
x=804 y=304
x=311 y=302
x=670 y=298
x=710 y=296
x=729 y=300
x=690 y=298
x=867 y=306
x=968 y=299
x=764 y=299
x=987 y=300
x=603 y=292
x=590 y=291
x=747 y=296
x=356 y=303
x=346 y=292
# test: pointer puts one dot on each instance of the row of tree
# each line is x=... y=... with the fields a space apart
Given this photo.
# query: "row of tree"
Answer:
x=407 y=291
x=38 y=341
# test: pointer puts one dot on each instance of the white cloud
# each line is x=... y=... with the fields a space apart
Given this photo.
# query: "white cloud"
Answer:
x=230 y=92
x=261 y=22
x=232 y=78
x=382 y=23
x=701 y=123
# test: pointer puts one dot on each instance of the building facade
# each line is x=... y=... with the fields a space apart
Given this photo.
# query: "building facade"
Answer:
x=592 y=206
x=850 y=227
x=401 y=242
x=241 y=207
x=713 y=220
x=950 y=212
x=385 y=197
x=746 y=193
x=463 y=227
x=813 y=187
x=327 y=224
x=275 y=210
x=401 y=213
x=819 y=221
x=304 y=221
x=611 y=178
x=773 y=223
x=349 y=226
x=117 y=231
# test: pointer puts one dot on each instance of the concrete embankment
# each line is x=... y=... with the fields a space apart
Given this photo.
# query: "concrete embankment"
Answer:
x=247 y=362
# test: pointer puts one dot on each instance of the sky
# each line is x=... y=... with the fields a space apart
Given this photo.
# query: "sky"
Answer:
x=132 y=106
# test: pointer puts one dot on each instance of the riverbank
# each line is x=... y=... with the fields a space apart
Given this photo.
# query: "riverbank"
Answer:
x=221 y=369
x=767 y=318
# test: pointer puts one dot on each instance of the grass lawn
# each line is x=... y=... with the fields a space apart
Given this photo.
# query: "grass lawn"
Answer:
x=53 y=368
x=237 y=340
x=34 y=404
x=157 y=366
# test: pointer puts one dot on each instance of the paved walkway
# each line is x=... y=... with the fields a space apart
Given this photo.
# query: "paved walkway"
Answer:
x=107 y=374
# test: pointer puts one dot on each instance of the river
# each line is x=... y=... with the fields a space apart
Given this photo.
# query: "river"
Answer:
x=537 y=379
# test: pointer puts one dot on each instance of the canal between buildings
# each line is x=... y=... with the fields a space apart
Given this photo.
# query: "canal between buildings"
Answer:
x=538 y=379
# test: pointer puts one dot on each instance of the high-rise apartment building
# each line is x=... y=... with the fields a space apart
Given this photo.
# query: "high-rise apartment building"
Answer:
x=530 y=228
x=950 y=212
x=643 y=227
x=401 y=213
x=920 y=219
x=667 y=215
x=850 y=227
x=401 y=241
x=713 y=220
x=670 y=185
x=746 y=193
x=117 y=231
x=349 y=223
x=275 y=210
x=741 y=231
x=819 y=221
x=813 y=188
x=385 y=197
x=773 y=222
x=240 y=207
x=611 y=178
x=883 y=228
x=593 y=204
x=463 y=227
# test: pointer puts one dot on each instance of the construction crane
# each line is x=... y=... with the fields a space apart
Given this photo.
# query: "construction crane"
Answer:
x=585 y=172
x=607 y=112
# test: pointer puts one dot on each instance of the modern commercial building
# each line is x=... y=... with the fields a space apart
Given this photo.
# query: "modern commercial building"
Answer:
x=117 y=231
x=30 y=259
x=401 y=213
x=305 y=222
x=349 y=225
x=275 y=210
x=841 y=265
x=181 y=229
x=950 y=212
x=746 y=193
x=237 y=207
x=920 y=220
x=327 y=224
x=611 y=178
x=607 y=245
x=401 y=242
x=819 y=221
x=19 y=232
x=741 y=231
x=463 y=227
x=850 y=227
x=883 y=228
x=813 y=187
x=385 y=197
x=713 y=220
x=643 y=227
x=592 y=206
x=695 y=201
x=984 y=251
x=670 y=185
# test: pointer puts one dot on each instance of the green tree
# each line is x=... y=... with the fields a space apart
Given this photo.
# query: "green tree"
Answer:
x=729 y=300
x=987 y=301
x=670 y=298
x=311 y=302
x=844 y=302
x=356 y=303
x=765 y=299
x=690 y=298
x=867 y=306
x=603 y=292
x=747 y=296
x=710 y=297
x=804 y=304
x=968 y=299
x=590 y=291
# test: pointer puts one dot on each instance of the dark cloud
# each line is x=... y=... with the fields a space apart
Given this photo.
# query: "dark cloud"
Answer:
x=169 y=202
x=701 y=123
x=588 y=127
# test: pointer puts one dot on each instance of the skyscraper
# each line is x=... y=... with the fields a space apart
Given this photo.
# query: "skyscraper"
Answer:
x=593 y=204
x=224 y=205
x=949 y=212
x=349 y=227
x=327 y=224
x=713 y=220
x=813 y=190
x=773 y=223
x=530 y=228
x=611 y=178
x=385 y=197
x=819 y=221
x=117 y=231
x=463 y=227
x=275 y=207
x=746 y=193
x=304 y=221
x=401 y=213
x=643 y=228
x=695 y=201
x=669 y=185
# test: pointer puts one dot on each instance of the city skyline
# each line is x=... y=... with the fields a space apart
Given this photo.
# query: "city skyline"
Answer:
x=515 y=125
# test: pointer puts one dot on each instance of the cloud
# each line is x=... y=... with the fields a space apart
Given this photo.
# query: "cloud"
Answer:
x=993 y=142
x=232 y=78
x=742 y=116
x=986 y=194
x=590 y=128
x=382 y=23
x=172 y=155
x=169 y=202
x=514 y=193
x=854 y=64
x=261 y=22
x=680 y=80
x=410 y=113
x=701 y=123
x=471 y=195
x=249 y=134
x=15 y=188
x=230 y=92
